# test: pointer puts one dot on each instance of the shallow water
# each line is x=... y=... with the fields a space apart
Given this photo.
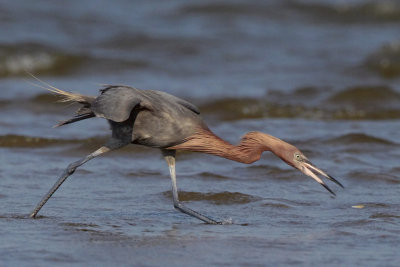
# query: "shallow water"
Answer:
x=322 y=76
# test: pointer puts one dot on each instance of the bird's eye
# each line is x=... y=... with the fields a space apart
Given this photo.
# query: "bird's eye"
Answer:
x=297 y=156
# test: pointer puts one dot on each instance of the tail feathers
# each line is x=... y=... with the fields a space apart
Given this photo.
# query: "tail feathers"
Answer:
x=68 y=96
x=82 y=113
x=74 y=119
x=72 y=97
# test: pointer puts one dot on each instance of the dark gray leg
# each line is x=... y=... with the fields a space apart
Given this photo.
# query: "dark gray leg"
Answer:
x=71 y=169
x=169 y=156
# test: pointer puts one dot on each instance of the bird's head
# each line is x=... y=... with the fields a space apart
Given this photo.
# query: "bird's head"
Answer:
x=295 y=158
x=288 y=153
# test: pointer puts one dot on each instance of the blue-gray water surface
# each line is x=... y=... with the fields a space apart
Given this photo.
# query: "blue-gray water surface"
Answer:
x=322 y=75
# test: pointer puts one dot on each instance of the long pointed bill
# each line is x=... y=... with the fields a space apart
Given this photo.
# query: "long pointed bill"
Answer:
x=310 y=170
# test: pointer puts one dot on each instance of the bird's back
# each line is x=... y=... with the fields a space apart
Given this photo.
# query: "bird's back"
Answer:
x=158 y=119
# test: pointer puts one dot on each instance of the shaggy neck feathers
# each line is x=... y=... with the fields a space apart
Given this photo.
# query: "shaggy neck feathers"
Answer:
x=247 y=151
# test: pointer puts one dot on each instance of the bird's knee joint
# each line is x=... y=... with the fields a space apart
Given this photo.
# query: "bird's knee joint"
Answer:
x=177 y=205
x=71 y=168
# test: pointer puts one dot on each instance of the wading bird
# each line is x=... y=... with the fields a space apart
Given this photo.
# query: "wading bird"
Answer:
x=160 y=120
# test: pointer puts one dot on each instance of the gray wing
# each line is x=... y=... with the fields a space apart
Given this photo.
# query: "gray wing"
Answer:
x=116 y=102
x=179 y=101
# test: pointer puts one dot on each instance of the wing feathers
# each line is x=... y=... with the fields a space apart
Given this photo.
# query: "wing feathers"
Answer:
x=117 y=102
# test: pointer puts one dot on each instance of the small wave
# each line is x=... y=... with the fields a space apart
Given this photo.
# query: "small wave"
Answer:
x=144 y=173
x=375 y=177
x=292 y=203
x=215 y=8
x=4 y=103
x=253 y=109
x=276 y=205
x=15 y=216
x=353 y=103
x=364 y=102
x=272 y=172
x=221 y=198
x=210 y=175
x=16 y=59
x=353 y=223
x=12 y=140
x=363 y=96
x=346 y=12
x=42 y=103
x=82 y=225
x=396 y=170
x=235 y=108
x=358 y=138
x=385 y=61
x=385 y=216
x=343 y=233
x=143 y=42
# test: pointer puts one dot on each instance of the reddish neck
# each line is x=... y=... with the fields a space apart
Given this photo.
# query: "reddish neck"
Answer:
x=247 y=151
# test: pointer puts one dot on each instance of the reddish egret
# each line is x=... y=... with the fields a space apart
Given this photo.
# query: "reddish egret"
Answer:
x=160 y=120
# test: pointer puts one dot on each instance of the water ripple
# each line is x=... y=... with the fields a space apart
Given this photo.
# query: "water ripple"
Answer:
x=220 y=198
